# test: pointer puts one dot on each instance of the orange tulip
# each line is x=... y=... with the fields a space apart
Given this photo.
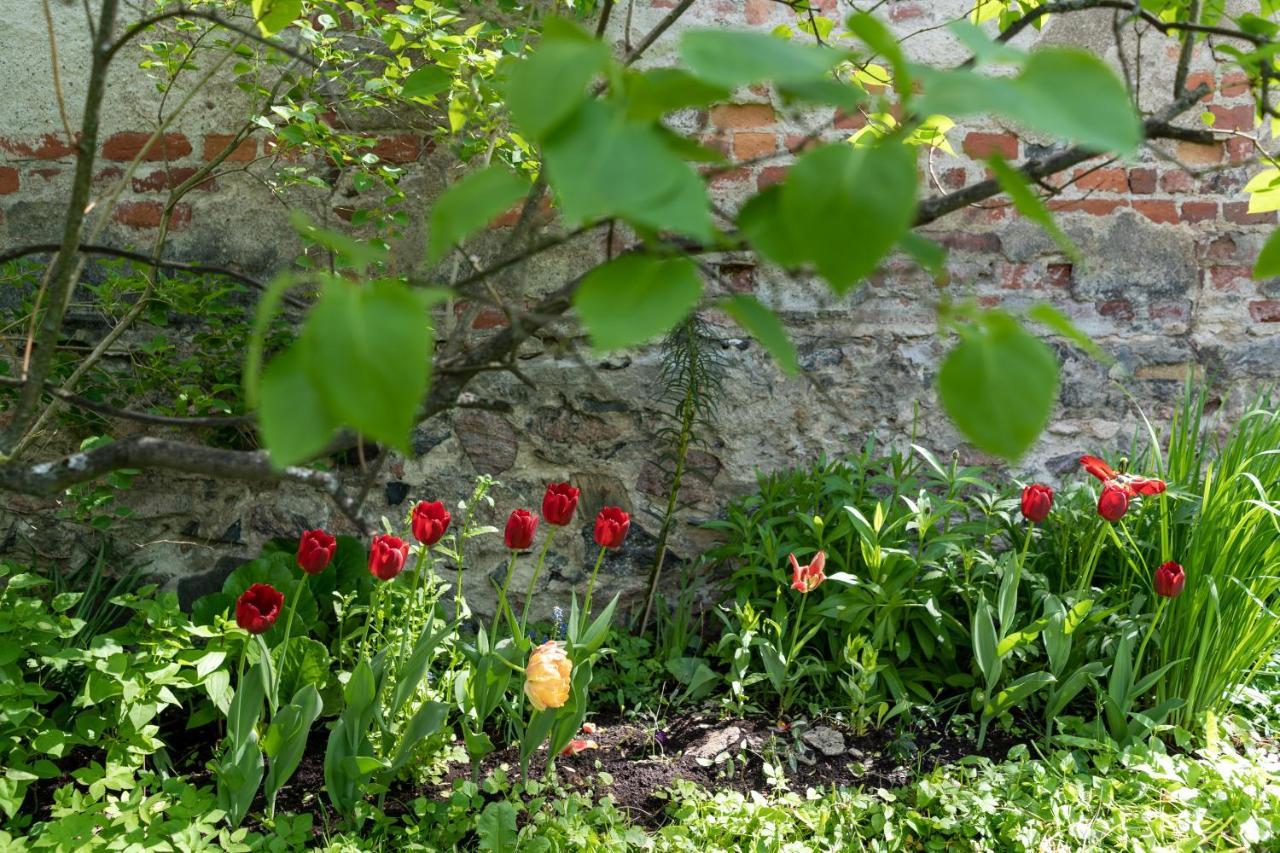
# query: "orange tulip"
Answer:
x=547 y=676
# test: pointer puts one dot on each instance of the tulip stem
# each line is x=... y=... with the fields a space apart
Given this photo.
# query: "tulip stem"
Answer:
x=1151 y=629
x=502 y=593
x=410 y=625
x=288 y=625
x=591 y=585
x=533 y=581
x=373 y=599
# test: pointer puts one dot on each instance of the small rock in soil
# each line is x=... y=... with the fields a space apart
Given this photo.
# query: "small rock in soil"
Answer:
x=721 y=741
x=825 y=740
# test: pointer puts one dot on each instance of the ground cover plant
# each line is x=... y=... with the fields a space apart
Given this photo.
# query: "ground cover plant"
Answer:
x=889 y=649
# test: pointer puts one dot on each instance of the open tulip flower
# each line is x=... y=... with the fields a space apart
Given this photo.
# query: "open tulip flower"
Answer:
x=807 y=578
x=1117 y=488
x=547 y=676
x=258 y=607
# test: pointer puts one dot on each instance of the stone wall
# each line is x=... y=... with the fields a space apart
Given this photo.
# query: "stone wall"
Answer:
x=1165 y=289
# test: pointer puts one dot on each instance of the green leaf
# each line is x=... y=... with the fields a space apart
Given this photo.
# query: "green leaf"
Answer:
x=274 y=15
x=656 y=189
x=998 y=385
x=469 y=205
x=636 y=298
x=1017 y=692
x=368 y=351
x=1064 y=92
x=1030 y=205
x=931 y=256
x=425 y=722
x=1268 y=264
x=765 y=327
x=984 y=643
x=305 y=663
x=545 y=89
x=286 y=738
x=292 y=418
x=883 y=42
x=734 y=58
x=426 y=81
x=496 y=827
x=652 y=94
x=760 y=220
x=837 y=192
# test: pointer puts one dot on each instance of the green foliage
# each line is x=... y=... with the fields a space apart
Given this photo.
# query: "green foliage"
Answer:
x=636 y=298
x=469 y=205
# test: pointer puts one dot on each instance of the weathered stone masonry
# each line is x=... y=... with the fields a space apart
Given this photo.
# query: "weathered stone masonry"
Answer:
x=1166 y=289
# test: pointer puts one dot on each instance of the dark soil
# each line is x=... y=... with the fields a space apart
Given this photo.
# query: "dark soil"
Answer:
x=716 y=753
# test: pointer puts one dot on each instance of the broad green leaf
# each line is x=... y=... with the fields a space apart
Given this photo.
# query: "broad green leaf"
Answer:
x=1017 y=692
x=348 y=252
x=545 y=89
x=652 y=94
x=884 y=43
x=636 y=298
x=765 y=327
x=496 y=828
x=760 y=220
x=274 y=15
x=844 y=208
x=734 y=58
x=1268 y=264
x=998 y=385
x=425 y=722
x=1064 y=92
x=983 y=48
x=286 y=738
x=426 y=81
x=984 y=643
x=1030 y=205
x=1264 y=191
x=1051 y=316
x=654 y=188
x=368 y=351
x=292 y=417
x=305 y=663
x=834 y=92
x=469 y=205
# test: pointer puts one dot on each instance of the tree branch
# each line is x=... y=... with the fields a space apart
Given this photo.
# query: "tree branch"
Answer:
x=130 y=415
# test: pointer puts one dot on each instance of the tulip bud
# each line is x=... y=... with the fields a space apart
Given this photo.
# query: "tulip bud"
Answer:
x=1037 y=500
x=387 y=556
x=1169 y=580
x=559 y=504
x=257 y=608
x=1113 y=503
x=521 y=525
x=547 y=676
x=429 y=522
x=315 y=551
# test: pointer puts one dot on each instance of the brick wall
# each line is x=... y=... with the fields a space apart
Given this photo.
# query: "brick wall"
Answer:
x=1165 y=288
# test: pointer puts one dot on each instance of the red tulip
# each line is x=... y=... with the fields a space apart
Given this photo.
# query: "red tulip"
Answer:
x=559 y=503
x=387 y=556
x=1037 y=500
x=1113 y=503
x=429 y=522
x=612 y=525
x=1131 y=484
x=521 y=525
x=315 y=551
x=1098 y=468
x=257 y=608
x=1169 y=580
x=807 y=578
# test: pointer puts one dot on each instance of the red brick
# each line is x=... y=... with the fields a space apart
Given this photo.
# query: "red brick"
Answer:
x=125 y=146
x=758 y=11
x=489 y=318
x=729 y=177
x=1233 y=118
x=1195 y=154
x=1177 y=182
x=8 y=180
x=167 y=179
x=1157 y=211
x=1094 y=206
x=51 y=146
x=1102 y=180
x=1240 y=149
x=146 y=214
x=980 y=145
x=1222 y=248
x=1142 y=181
x=739 y=278
x=770 y=175
x=1168 y=311
x=1059 y=275
x=742 y=115
x=1238 y=212
x=850 y=121
x=1199 y=211
x=969 y=241
x=1225 y=277
x=109 y=175
x=47 y=174
x=1195 y=78
x=905 y=12
x=954 y=179
x=400 y=148
x=798 y=143
x=1265 y=311
x=1235 y=84
x=1117 y=309
x=750 y=145
x=214 y=143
